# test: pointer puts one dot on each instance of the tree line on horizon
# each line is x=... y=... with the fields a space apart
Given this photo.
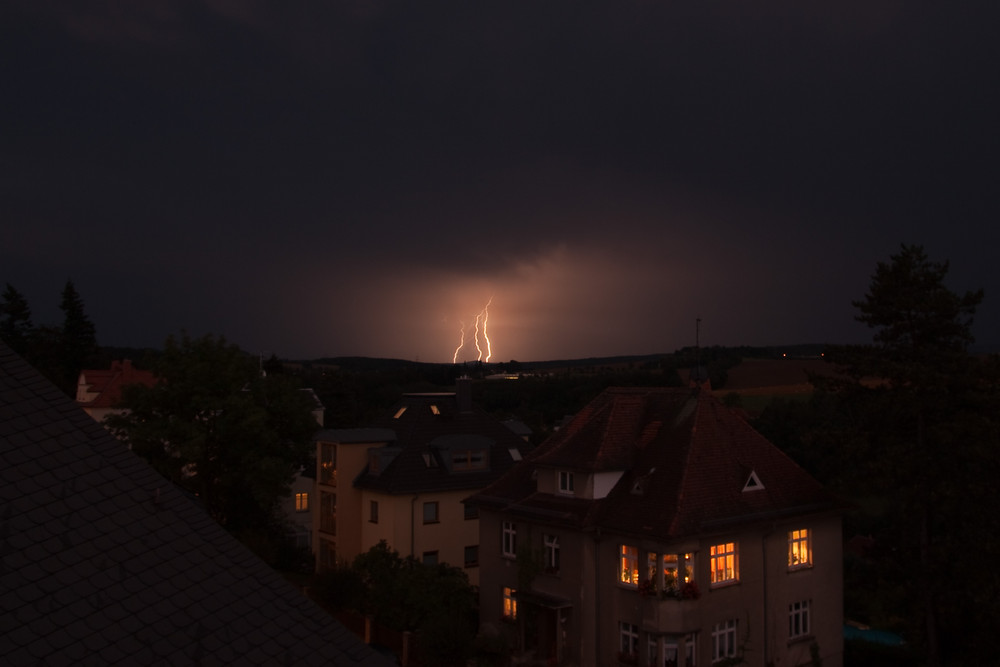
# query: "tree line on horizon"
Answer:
x=58 y=352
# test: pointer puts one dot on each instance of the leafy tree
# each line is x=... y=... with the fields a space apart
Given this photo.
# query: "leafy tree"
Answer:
x=434 y=601
x=929 y=411
x=214 y=425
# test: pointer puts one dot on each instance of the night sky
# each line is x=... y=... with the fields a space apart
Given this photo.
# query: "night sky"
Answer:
x=321 y=178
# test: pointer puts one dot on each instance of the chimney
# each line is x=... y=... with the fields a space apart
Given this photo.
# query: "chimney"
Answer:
x=463 y=393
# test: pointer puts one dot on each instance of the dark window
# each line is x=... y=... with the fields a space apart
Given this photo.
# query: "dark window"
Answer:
x=431 y=512
x=472 y=556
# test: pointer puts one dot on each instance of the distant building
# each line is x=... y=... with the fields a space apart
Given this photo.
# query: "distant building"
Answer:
x=98 y=392
x=658 y=528
x=404 y=480
x=102 y=561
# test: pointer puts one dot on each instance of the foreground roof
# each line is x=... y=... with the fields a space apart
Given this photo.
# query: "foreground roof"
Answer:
x=102 y=561
x=683 y=462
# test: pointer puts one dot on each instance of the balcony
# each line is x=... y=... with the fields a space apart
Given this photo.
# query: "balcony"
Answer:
x=669 y=614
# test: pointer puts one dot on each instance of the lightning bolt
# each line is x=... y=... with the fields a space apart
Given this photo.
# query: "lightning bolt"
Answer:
x=461 y=344
x=484 y=317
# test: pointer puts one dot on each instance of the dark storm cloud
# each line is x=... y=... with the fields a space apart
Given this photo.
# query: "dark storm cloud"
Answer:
x=357 y=177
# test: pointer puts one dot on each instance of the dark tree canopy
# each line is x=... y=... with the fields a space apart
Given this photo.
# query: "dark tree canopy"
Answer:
x=216 y=426
x=78 y=332
x=926 y=415
x=15 y=320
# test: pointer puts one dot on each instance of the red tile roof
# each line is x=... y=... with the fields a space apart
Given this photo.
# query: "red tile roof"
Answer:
x=107 y=384
x=684 y=460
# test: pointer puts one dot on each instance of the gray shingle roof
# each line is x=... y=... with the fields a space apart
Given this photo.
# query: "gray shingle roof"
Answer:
x=102 y=561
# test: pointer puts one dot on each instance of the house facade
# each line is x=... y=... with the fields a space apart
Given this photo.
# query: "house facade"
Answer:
x=658 y=528
x=405 y=480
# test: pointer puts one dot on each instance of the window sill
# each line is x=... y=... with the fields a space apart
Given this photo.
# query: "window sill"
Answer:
x=801 y=639
x=800 y=568
x=724 y=584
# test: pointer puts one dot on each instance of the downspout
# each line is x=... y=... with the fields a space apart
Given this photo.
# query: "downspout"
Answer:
x=763 y=597
x=597 y=597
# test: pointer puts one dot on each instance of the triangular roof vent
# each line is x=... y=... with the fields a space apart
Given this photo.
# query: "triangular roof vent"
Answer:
x=753 y=483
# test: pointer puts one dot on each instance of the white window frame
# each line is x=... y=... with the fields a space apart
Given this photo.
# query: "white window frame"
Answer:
x=551 y=543
x=566 y=482
x=724 y=563
x=629 y=638
x=798 y=619
x=724 y=636
x=799 y=549
x=691 y=649
x=508 y=544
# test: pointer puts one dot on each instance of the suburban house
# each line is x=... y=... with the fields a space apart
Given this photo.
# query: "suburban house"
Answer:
x=658 y=528
x=103 y=561
x=99 y=392
x=404 y=480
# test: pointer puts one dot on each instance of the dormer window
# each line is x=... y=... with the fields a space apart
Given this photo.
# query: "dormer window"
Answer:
x=399 y=413
x=565 y=482
x=435 y=410
x=468 y=459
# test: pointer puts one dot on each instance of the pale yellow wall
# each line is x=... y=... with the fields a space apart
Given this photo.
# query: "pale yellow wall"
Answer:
x=401 y=525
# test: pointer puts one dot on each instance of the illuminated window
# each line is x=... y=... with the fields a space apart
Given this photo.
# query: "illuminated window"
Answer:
x=798 y=619
x=431 y=512
x=799 y=549
x=471 y=511
x=565 y=482
x=430 y=558
x=629 y=634
x=551 y=553
x=399 y=413
x=435 y=410
x=724 y=640
x=509 y=603
x=472 y=556
x=301 y=502
x=328 y=464
x=724 y=563
x=629 y=570
x=509 y=539
x=373 y=511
